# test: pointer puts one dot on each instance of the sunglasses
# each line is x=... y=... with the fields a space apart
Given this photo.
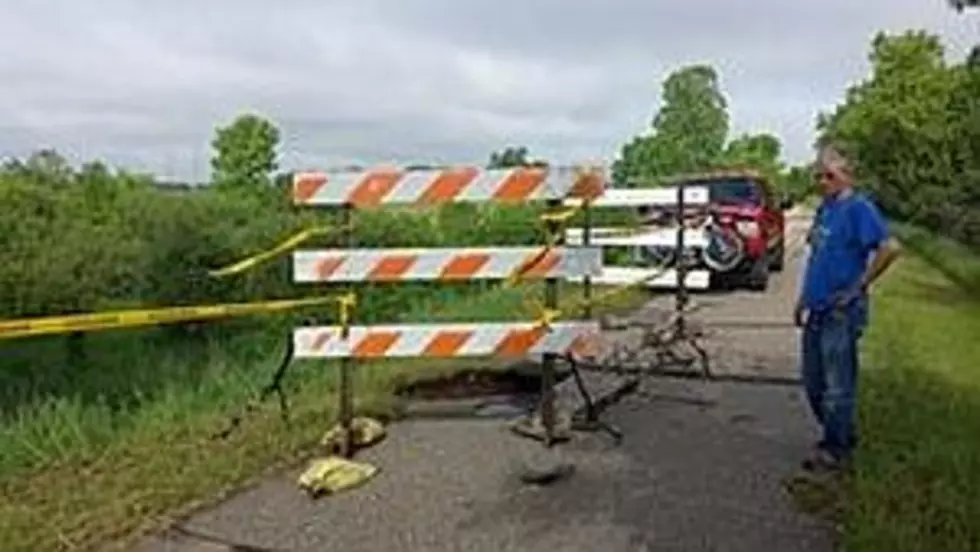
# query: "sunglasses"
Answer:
x=824 y=175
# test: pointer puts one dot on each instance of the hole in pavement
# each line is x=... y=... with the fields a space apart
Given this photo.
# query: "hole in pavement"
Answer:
x=522 y=380
x=488 y=392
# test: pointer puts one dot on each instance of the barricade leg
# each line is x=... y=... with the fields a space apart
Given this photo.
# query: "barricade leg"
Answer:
x=548 y=359
x=346 y=388
x=682 y=298
x=586 y=242
x=548 y=373
x=591 y=415
x=591 y=421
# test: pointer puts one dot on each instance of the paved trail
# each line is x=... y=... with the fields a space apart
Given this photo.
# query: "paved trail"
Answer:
x=688 y=477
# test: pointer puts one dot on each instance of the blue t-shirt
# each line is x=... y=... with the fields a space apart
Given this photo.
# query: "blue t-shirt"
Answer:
x=846 y=230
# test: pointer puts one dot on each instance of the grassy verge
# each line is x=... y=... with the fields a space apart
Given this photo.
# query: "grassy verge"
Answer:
x=916 y=485
x=79 y=471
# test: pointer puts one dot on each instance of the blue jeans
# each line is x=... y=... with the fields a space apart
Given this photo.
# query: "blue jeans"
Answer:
x=830 y=367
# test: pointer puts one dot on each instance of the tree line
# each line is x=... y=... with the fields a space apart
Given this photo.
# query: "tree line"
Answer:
x=96 y=238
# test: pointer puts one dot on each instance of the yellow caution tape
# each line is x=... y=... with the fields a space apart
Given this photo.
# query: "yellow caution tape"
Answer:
x=546 y=316
x=554 y=236
x=254 y=260
x=347 y=302
x=563 y=215
x=518 y=273
x=51 y=325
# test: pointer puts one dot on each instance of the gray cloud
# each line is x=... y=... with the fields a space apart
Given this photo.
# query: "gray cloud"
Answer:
x=144 y=83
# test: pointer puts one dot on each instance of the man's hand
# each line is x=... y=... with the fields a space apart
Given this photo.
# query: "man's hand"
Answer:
x=844 y=298
x=799 y=314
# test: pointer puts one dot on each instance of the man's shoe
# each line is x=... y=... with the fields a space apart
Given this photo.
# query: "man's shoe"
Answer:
x=822 y=461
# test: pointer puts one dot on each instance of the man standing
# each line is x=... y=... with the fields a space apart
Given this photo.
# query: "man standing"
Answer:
x=833 y=304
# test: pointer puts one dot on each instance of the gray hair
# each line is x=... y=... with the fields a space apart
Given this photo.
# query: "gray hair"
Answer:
x=832 y=157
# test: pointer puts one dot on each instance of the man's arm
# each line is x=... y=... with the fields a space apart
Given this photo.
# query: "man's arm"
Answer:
x=885 y=254
x=874 y=235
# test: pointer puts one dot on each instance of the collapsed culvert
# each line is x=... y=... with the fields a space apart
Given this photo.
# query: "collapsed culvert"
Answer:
x=490 y=392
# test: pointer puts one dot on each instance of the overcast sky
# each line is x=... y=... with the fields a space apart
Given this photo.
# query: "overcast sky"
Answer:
x=142 y=83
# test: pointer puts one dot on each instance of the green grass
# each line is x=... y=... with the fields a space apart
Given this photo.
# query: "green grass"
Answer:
x=124 y=444
x=916 y=485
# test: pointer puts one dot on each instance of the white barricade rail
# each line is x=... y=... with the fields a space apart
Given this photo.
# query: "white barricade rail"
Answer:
x=695 y=198
x=646 y=197
x=646 y=235
x=444 y=264
x=665 y=279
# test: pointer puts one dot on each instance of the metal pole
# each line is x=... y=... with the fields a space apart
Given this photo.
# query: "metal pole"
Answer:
x=683 y=298
x=548 y=360
x=346 y=390
x=680 y=302
x=586 y=242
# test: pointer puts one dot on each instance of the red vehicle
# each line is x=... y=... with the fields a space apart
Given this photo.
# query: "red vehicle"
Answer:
x=745 y=224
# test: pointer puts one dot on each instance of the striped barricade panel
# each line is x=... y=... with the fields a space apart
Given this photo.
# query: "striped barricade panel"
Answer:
x=444 y=264
x=506 y=339
x=379 y=186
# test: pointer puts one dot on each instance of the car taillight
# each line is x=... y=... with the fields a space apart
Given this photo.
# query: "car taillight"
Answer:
x=747 y=228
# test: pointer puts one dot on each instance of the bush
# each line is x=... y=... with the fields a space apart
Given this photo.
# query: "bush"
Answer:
x=98 y=240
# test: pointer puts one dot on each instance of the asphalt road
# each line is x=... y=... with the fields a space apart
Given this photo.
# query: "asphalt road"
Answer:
x=701 y=468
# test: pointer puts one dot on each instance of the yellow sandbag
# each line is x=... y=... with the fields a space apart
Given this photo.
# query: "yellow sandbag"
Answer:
x=365 y=432
x=334 y=474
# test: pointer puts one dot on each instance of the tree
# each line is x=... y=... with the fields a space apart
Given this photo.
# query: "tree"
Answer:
x=763 y=153
x=688 y=132
x=759 y=151
x=513 y=157
x=796 y=182
x=44 y=166
x=245 y=153
x=912 y=128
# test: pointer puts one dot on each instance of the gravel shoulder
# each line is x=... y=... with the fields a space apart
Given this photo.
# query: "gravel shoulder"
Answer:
x=701 y=468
